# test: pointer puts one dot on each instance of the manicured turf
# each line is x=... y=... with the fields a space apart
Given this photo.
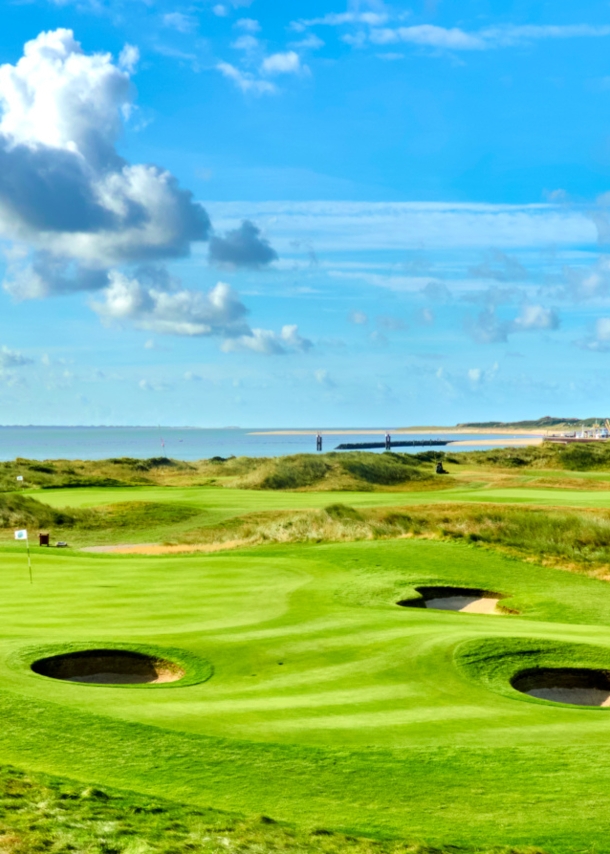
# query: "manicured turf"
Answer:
x=329 y=705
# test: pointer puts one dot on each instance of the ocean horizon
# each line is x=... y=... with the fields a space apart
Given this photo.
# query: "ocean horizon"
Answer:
x=194 y=443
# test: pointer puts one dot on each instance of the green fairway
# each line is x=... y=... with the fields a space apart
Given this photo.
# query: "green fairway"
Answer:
x=221 y=504
x=329 y=704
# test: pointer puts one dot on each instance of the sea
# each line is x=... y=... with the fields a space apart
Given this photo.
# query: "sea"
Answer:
x=194 y=443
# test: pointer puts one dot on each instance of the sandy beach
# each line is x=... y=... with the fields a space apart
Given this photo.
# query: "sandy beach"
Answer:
x=517 y=442
x=395 y=431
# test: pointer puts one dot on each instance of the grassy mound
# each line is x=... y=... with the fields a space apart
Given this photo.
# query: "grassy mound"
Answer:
x=576 y=457
x=355 y=470
x=21 y=511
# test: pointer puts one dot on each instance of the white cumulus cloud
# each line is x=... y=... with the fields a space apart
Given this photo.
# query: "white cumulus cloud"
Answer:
x=64 y=190
x=536 y=317
x=282 y=63
x=157 y=304
x=245 y=80
x=268 y=342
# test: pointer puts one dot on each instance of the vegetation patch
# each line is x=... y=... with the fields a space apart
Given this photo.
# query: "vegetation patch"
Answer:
x=576 y=539
x=355 y=470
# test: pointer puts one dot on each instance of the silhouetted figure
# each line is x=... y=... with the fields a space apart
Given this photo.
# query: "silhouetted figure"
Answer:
x=388 y=442
x=318 y=442
x=440 y=469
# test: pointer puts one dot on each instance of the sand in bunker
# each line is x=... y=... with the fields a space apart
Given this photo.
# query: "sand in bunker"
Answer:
x=124 y=678
x=466 y=604
x=574 y=696
x=108 y=667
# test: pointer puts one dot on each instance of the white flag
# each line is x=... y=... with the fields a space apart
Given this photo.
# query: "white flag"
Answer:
x=19 y=477
x=22 y=534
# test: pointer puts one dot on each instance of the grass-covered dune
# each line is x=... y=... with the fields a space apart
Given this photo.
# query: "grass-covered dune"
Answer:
x=329 y=705
x=332 y=471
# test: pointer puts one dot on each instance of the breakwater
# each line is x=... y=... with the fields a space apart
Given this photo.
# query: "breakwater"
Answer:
x=369 y=446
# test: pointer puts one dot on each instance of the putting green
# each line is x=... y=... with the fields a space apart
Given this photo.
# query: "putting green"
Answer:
x=329 y=704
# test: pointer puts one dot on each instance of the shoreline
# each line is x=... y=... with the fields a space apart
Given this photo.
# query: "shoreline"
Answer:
x=457 y=431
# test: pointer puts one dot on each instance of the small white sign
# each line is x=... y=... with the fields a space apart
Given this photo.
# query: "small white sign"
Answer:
x=22 y=534
x=19 y=477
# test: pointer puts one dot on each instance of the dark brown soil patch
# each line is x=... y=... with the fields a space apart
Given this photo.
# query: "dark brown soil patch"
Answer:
x=108 y=667
x=576 y=686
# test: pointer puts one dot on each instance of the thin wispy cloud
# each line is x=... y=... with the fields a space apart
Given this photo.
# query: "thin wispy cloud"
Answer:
x=454 y=38
x=376 y=28
x=338 y=19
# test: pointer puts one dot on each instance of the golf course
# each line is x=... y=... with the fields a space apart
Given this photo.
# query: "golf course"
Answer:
x=323 y=680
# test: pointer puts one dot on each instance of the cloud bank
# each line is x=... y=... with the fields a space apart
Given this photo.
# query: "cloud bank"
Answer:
x=77 y=212
x=64 y=189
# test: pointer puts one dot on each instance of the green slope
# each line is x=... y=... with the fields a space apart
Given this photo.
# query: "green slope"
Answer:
x=329 y=705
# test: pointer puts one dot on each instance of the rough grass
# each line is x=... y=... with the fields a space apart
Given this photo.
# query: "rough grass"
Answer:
x=576 y=457
x=578 y=539
x=355 y=470
x=41 y=814
x=334 y=471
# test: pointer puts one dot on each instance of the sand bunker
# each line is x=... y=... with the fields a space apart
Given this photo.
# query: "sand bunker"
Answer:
x=108 y=667
x=465 y=599
x=576 y=686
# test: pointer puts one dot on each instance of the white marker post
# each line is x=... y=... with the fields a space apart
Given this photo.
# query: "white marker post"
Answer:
x=23 y=535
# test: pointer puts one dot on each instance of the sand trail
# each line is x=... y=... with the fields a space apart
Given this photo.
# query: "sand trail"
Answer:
x=160 y=549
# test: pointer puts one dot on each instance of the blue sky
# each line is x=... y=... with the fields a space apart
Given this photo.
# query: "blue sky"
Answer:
x=286 y=214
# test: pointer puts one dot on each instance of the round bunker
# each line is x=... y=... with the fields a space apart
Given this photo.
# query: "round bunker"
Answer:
x=466 y=599
x=573 y=685
x=108 y=667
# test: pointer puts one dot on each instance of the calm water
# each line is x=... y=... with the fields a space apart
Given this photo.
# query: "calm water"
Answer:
x=97 y=443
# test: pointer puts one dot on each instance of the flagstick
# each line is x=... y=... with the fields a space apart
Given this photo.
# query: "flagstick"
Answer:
x=29 y=559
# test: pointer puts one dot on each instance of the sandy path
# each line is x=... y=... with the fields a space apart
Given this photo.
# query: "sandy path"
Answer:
x=159 y=549
x=466 y=604
x=575 y=696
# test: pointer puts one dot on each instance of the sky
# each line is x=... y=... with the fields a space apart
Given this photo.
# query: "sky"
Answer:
x=262 y=213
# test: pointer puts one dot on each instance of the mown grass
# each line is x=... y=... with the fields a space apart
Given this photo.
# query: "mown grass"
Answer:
x=567 y=538
x=330 y=707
